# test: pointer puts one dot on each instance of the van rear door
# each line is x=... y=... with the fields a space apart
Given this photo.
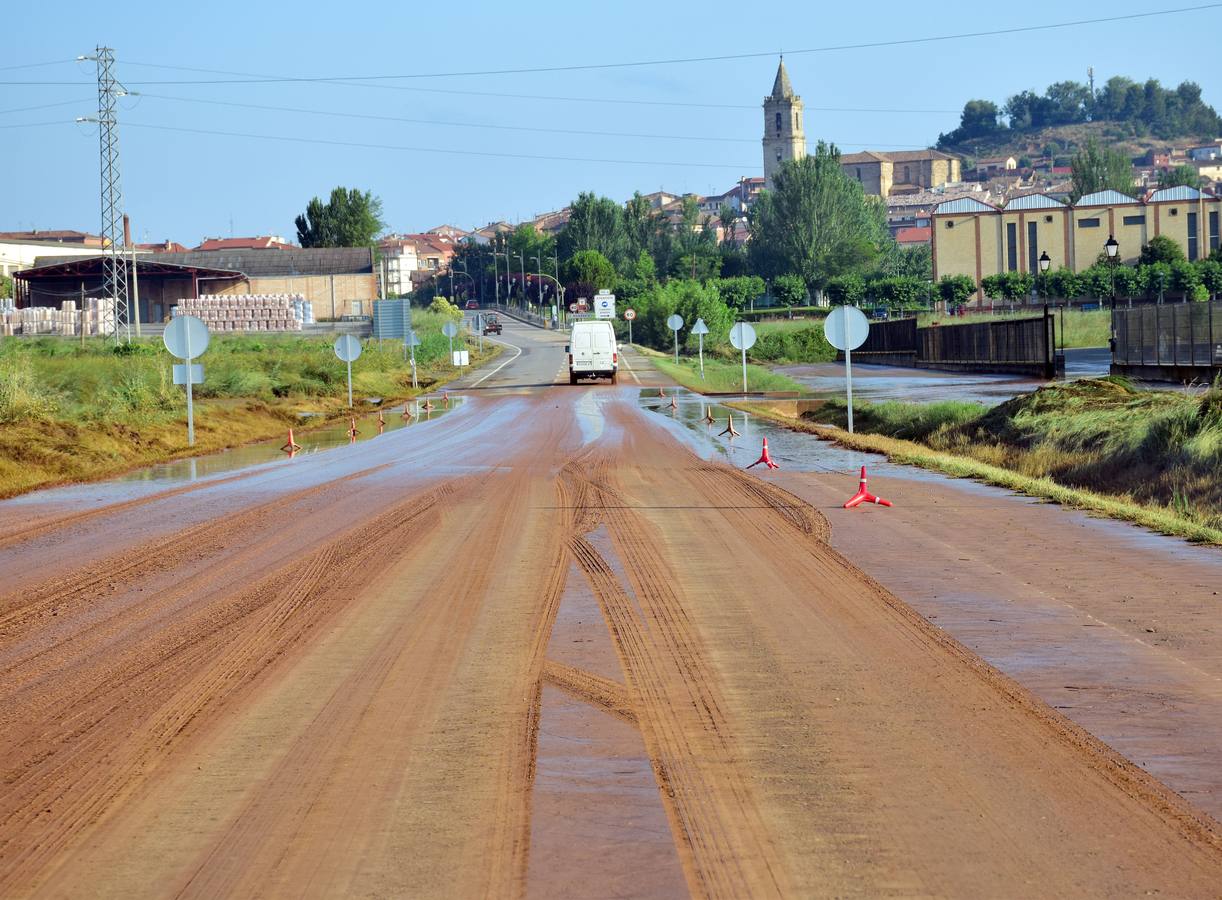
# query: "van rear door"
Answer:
x=583 y=350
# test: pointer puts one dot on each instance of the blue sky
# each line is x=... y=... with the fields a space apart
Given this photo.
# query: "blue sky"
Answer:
x=185 y=185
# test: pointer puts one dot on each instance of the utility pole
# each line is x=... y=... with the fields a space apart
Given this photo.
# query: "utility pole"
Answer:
x=496 y=278
x=114 y=268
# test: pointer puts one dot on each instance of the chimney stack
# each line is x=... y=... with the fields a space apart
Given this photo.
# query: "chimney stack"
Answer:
x=127 y=231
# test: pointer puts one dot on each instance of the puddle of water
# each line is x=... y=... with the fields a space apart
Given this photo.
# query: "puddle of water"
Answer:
x=151 y=479
x=598 y=829
x=590 y=416
x=580 y=637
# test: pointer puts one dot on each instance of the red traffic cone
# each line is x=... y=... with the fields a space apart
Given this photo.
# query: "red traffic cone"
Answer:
x=445 y=397
x=673 y=404
x=292 y=446
x=863 y=495
x=407 y=410
x=381 y=419
x=765 y=459
x=428 y=406
x=729 y=426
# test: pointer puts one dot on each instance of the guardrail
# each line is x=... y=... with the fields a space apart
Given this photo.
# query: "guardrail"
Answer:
x=1169 y=341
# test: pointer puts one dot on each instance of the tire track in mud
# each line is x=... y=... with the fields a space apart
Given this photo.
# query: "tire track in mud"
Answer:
x=602 y=692
x=723 y=845
x=22 y=609
x=90 y=752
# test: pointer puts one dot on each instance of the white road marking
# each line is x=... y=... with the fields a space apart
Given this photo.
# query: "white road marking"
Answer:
x=502 y=365
x=631 y=371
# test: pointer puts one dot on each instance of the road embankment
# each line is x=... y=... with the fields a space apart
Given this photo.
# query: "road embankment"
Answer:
x=1147 y=457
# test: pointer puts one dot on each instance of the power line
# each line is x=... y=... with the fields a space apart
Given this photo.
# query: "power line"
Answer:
x=526 y=128
x=54 y=62
x=582 y=67
x=38 y=124
x=44 y=106
x=502 y=95
x=443 y=151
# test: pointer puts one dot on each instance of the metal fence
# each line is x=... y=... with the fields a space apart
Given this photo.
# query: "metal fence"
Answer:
x=1008 y=341
x=1176 y=335
x=896 y=336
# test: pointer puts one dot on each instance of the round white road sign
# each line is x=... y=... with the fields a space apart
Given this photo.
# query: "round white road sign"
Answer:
x=347 y=348
x=675 y=322
x=630 y=314
x=186 y=337
x=742 y=336
x=449 y=329
x=846 y=328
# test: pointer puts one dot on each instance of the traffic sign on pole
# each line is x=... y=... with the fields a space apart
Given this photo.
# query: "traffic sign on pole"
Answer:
x=449 y=329
x=847 y=328
x=187 y=337
x=742 y=337
x=348 y=349
x=701 y=329
x=629 y=315
x=413 y=342
x=675 y=323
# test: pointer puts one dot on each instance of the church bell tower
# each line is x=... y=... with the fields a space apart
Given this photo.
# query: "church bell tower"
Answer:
x=784 y=138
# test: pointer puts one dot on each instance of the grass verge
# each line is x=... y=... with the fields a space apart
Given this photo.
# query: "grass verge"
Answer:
x=70 y=413
x=723 y=377
x=1102 y=478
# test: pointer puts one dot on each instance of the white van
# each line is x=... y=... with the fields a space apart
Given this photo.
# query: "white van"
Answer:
x=592 y=351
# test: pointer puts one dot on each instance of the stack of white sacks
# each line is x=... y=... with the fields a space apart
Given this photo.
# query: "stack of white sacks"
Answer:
x=69 y=319
x=248 y=312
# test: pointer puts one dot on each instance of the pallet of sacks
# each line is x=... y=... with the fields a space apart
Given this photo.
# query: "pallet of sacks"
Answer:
x=66 y=321
x=246 y=312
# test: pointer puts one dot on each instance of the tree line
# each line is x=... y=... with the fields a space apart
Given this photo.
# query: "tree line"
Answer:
x=1144 y=108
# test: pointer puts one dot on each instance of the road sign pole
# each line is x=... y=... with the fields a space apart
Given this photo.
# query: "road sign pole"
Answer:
x=848 y=370
x=702 y=357
x=190 y=397
x=629 y=332
x=744 y=370
x=676 y=346
x=350 y=384
x=414 y=385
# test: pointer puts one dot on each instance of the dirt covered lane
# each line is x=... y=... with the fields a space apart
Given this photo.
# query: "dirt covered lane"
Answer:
x=336 y=686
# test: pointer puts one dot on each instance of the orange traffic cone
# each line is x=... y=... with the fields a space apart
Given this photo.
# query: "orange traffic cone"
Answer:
x=764 y=458
x=352 y=427
x=729 y=426
x=428 y=406
x=661 y=393
x=407 y=410
x=863 y=495
x=708 y=417
x=673 y=404
x=292 y=446
x=445 y=397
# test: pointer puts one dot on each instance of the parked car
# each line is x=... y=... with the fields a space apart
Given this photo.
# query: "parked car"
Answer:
x=472 y=304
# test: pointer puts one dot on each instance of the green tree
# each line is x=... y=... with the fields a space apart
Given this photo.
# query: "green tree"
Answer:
x=816 y=222
x=1210 y=271
x=994 y=286
x=1180 y=175
x=1063 y=284
x=956 y=289
x=847 y=290
x=979 y=120
x=789 y=290
x=1160 y=249
x=914 y=262
x=349 y=218
x=1098 y=168
x=640 y=226
x=695 y=244
x=595 y=223
x=1185 y=279
x=590 y=267
x=727 y=218
x=739 y=293
x=6 y=287
x=443 y=307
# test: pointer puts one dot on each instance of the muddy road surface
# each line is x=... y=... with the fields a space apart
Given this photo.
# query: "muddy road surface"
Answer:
x=536 y=647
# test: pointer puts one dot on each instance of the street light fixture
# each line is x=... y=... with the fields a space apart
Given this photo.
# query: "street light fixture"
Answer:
x=1113 y=256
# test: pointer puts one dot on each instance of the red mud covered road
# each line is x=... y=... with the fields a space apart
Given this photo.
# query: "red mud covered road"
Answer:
x=535 y=648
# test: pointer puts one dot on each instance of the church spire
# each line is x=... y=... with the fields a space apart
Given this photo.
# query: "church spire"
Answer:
x=781 y=88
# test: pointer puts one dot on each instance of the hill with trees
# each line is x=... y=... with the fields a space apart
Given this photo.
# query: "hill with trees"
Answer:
x=1123 y=112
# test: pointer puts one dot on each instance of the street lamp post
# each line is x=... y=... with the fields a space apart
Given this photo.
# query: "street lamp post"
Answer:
x=539 y=266
x=522 y=263
x=1113 y=253
x=1045 y=263
x=496 y=280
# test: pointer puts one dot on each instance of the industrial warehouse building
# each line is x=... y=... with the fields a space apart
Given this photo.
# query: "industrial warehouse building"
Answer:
x=978 y=240
x=337 y=281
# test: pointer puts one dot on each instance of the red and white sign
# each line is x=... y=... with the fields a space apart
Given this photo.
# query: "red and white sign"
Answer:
x=572 y=307
x=582 y=304
x=630 y=314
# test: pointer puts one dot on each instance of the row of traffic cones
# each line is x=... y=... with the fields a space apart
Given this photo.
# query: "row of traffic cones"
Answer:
x=292 y=448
